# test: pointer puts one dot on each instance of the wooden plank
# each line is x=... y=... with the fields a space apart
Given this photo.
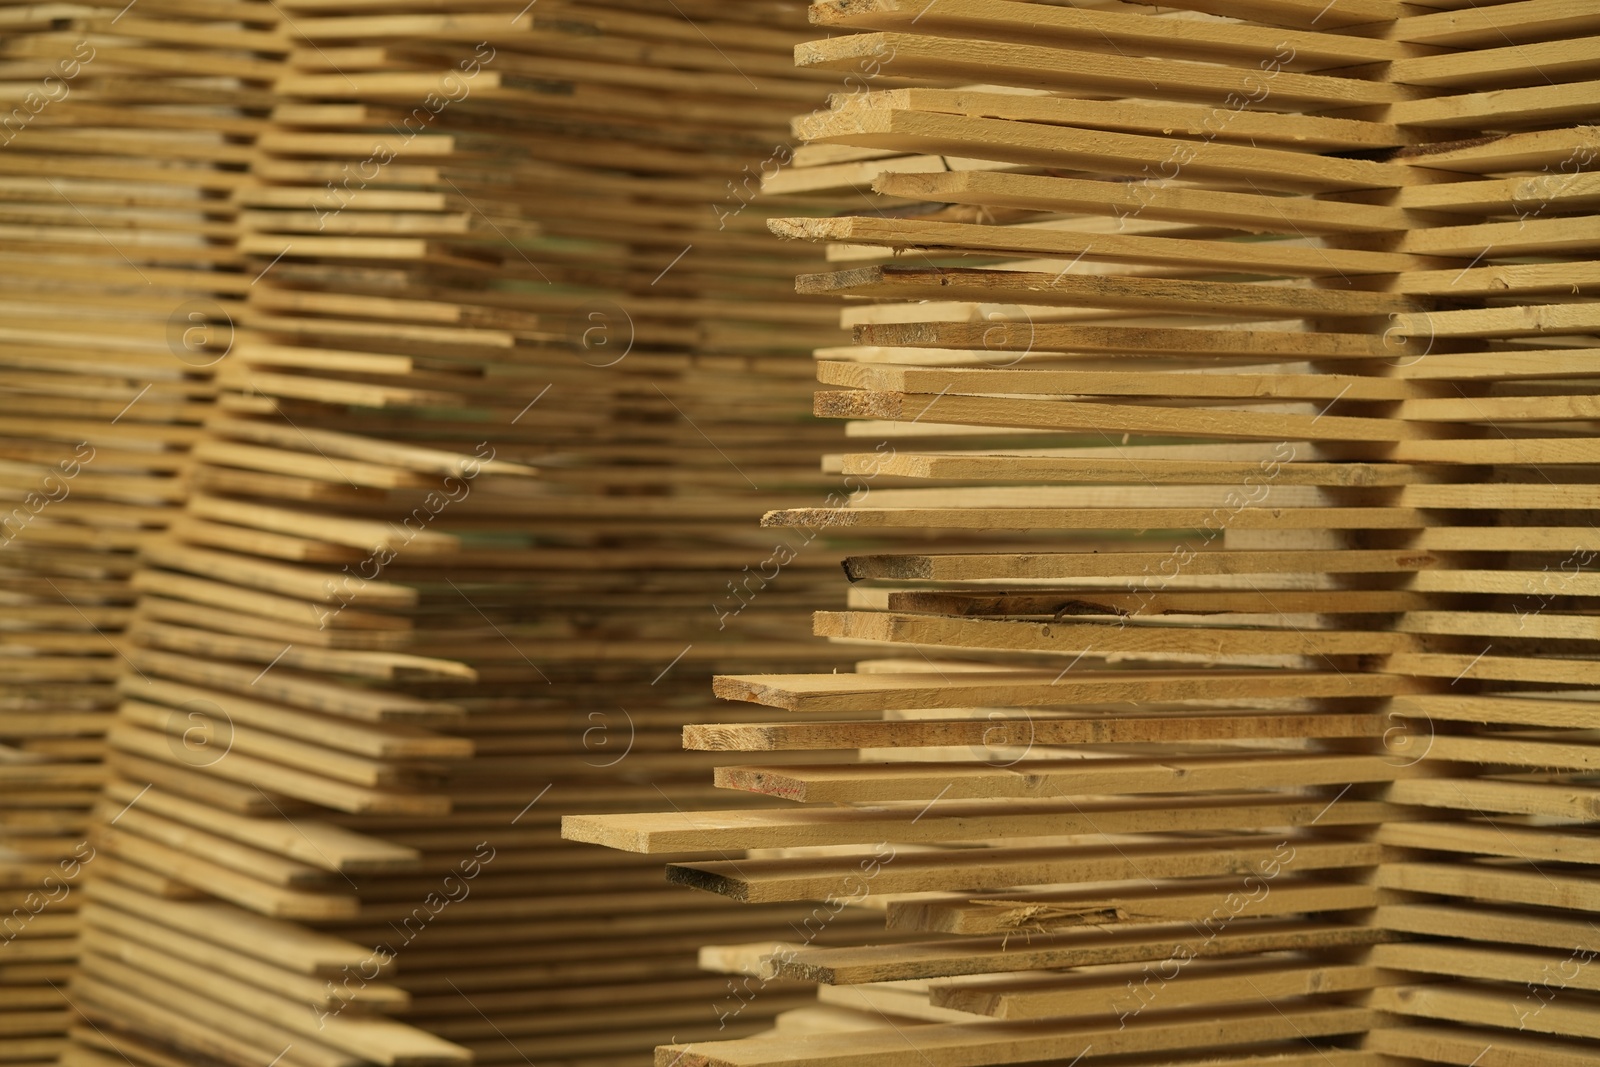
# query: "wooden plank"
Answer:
x=1120 y=28
x=1043 y=239
x=1197 y=901
x=1489 y=923
x=706 y=831
x=964 y=381
x=1100 y=151
x=1080 y=948
x=969 y=1045
x=1486 y=883
x=1460 y=1043
x=1150 y=638
x=1092 y=995
x=760 y=881
x=1057 y=68
x=1524 y=20
x=1112 y=417
x=1024 y=336
x=1464 y=1004
x=834 y=693
x=1039 y=778
x=1034 y=729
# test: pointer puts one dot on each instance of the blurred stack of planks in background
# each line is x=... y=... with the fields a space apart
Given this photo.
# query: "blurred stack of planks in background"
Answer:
x=1258 y=357
x=123 y=137
x=432 y=370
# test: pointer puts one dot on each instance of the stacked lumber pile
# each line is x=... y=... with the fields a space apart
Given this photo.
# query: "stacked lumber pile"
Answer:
x=1240 y=707
x=1494 y=882
x=471 y=518
x=122 y=134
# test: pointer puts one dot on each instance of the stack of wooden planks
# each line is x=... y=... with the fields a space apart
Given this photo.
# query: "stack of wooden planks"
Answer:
x=122 y=135
x=1241 y=359
x=468 y=517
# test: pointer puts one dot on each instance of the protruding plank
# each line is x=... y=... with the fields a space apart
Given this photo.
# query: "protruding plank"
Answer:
x=721 y=830
x=824 y=693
